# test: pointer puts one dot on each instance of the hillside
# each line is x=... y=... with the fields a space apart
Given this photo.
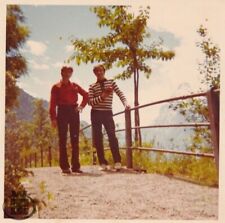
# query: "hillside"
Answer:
x=25 y=108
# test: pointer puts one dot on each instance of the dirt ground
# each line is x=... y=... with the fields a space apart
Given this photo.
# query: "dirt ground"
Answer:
x=120 y=195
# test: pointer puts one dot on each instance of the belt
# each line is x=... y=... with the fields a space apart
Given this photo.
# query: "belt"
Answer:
x=67 y=106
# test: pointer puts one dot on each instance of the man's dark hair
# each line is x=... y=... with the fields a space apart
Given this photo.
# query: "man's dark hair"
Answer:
x=66 y=69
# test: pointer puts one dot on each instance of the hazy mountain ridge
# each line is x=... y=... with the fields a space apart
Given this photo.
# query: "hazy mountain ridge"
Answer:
x=170 y=137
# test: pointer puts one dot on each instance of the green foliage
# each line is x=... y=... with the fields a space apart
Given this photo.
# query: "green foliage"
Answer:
x=13 y=174
x=16 y=35
x=210 y=66
x=193 y=169
x=14 y=189
x=86 y=159
x=199 y=170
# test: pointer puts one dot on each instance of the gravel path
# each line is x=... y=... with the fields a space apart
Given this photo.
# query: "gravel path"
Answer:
x=121 y=195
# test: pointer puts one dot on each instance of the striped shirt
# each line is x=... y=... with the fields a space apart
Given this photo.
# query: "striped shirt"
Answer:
x=95 y=99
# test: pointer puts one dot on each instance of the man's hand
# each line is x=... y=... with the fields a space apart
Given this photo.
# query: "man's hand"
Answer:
x=106 y=92
x=109 y=89
x=127 y=106
x=79 y=109
x=54 y=123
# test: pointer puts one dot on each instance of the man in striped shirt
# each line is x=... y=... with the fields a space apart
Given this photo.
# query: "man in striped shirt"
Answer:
x=100 y=98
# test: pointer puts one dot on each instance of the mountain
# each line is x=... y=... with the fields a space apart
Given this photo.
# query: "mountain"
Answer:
x=170 y=137
x=24 y=110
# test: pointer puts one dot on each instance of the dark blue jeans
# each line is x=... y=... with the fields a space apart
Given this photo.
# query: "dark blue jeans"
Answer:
x=68 y=117
x=99 y=119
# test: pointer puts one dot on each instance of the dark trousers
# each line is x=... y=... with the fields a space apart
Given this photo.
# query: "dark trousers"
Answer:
x=68 y=117
x=99 y=119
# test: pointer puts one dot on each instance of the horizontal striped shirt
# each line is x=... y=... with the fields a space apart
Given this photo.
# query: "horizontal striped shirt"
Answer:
x=95 y=99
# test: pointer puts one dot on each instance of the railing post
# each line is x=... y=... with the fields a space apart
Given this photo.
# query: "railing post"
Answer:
x=128 y=138
x=42 y=162
x=213 y=105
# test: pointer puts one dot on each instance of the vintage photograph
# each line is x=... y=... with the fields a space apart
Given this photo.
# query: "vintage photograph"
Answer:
x=112 y=111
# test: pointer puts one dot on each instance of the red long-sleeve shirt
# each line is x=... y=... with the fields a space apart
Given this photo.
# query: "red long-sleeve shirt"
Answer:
x=66 y=94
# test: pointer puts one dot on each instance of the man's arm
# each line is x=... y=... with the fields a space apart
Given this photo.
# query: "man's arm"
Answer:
x=120 y=94
x=92 y=99
x=84 y=94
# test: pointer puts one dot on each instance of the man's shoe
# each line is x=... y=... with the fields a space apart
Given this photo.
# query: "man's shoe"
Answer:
x=77 y=171
x=103 y=167
x=66 y=171
x=117 y=166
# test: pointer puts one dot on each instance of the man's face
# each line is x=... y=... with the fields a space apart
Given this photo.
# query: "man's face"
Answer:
x=100 y=73
x=67 y=75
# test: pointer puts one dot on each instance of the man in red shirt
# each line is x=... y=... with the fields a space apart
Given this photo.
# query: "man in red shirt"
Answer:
x=64 y=96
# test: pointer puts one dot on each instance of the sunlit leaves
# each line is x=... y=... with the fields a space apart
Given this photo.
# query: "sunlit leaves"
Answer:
x=210 y=66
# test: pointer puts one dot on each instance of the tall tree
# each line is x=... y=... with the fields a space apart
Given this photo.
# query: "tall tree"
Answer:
x=16 y=35
x=41 y=130
x=124 y=46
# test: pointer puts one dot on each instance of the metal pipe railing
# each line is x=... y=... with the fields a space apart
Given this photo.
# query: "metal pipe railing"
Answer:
x=206 y=124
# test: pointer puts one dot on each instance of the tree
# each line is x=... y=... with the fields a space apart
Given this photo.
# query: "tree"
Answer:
x=124 y=46
x=16 y=35
x=40 y=121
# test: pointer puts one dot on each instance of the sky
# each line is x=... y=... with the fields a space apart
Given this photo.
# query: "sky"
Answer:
x=53 y=26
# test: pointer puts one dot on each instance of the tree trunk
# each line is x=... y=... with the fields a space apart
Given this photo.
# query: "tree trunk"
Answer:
x=137 y=136
x=135 y=111
x=138 y=116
